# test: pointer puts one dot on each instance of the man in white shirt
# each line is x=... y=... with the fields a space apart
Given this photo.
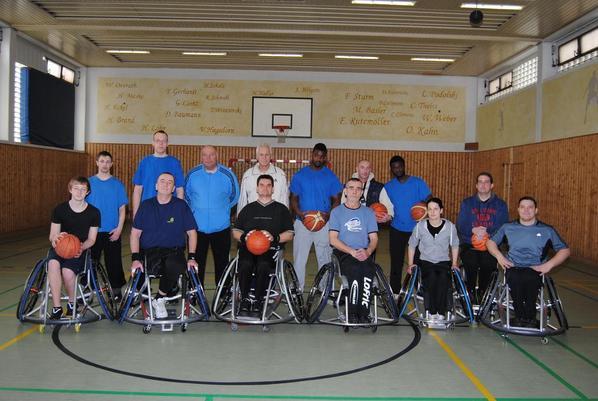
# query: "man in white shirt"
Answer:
x=263 y=166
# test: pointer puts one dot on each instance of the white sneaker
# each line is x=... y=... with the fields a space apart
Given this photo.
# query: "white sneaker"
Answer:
x=159 y=306
x=438 y=316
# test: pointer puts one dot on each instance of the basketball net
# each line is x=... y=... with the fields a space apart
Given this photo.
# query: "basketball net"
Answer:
x=281 y=132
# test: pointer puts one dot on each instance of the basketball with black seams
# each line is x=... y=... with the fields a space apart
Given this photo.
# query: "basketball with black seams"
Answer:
x=257 y=242
x=313 y=220
x=479 y=243
x=379 y=209
x=68 y=246
x=419 y=211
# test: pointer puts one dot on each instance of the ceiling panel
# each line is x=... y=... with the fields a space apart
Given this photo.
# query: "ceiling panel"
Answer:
x=84 y=30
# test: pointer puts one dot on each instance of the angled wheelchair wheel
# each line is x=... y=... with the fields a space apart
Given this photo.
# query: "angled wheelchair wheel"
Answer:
x=556 y=304
x=103 y=289
x=489 y=296
x=34 y=286
x=385 y=293
x=462 y=295
x=407 y=290
x=319 y=293
x=224 y=290
x=293 y=293
x=128 y=296
x=198 y=294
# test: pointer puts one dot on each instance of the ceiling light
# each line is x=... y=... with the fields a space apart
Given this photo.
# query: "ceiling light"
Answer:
x=484 y=6
x=280 y=55
x=357 y=57
x=385 y=2
x=204 y=53
x=128 y=51
x=444 y=60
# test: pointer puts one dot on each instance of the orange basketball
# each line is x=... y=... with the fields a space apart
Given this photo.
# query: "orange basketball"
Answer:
x=479 y=243
x=419 y=211
x=379 y=209
x=314 y=221
x=68 y=246
x=257 y=243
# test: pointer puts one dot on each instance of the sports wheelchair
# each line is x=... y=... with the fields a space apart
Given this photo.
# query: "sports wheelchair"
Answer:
x=331 y=287
x=187 y=304
x=496 y=310
x=411 y=302
x=282 y=288
x=93 y=296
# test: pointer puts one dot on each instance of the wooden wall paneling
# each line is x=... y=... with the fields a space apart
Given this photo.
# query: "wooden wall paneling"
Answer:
x=35 y=181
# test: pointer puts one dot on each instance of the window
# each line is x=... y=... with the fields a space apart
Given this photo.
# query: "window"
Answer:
x=20 y=111
x=525 y=74
x=578 y=50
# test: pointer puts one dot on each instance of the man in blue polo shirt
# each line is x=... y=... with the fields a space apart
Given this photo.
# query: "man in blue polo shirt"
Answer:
x=151 y=167
x=527 y=259
x=108 y=194
x=404 y=191
x=314 y=187
x=162 y=229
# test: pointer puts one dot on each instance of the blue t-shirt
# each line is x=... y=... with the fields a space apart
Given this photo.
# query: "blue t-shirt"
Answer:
x=315 y=188
x=353 y=225
x=403 y=196
x=164 y=225
x=108 y=196
x=528 y=245
x=150 y=169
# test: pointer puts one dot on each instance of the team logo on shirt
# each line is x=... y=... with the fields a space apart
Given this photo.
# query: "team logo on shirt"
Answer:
x=353 y=225
x=170 y=220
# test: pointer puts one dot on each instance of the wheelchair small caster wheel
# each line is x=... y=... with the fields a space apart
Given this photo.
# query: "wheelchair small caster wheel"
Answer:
x=41 y=328
x=346 y=329
x=265 y=329
x=544 y=340
x=77 y=327
x=234 y=326
x=374 y=329
x=147 y=329
x=184 y=327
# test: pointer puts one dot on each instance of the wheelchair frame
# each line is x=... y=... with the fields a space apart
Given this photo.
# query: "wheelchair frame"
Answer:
x=136 y=304
x=330 y=284
x=283 y=288
x=92 y=282
x=411 y=302
x=497 y=306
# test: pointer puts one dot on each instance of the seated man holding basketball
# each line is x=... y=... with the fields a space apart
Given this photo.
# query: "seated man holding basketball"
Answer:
x=527 y=259
x=264 y=217
x=163 y=227
x=353 y=233
x=79 y=218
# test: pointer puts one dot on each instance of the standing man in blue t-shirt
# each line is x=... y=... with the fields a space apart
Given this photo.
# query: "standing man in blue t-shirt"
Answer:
x=212 y=190
x=527 y=260
x=108 y=194
x=354 y=236
x=314 y=187
x=151 y=167
x=404 y=191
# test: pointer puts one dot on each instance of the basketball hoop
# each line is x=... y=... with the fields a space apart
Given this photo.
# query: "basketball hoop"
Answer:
x=281 y=132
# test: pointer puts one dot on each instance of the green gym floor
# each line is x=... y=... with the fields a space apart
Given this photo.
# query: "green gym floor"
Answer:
x=108 y=361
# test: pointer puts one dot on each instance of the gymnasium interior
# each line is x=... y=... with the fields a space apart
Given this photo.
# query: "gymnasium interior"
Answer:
x=509 y=87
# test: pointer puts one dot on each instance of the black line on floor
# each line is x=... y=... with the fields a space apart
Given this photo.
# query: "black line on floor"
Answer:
x=412 y=345
x=581 y=271
x=579 y=293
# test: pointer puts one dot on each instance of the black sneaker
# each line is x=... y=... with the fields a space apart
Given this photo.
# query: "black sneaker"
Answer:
x=515 y=322
x=256 y=309
x=69 y=309
x=56 y=313
x=245 y=307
